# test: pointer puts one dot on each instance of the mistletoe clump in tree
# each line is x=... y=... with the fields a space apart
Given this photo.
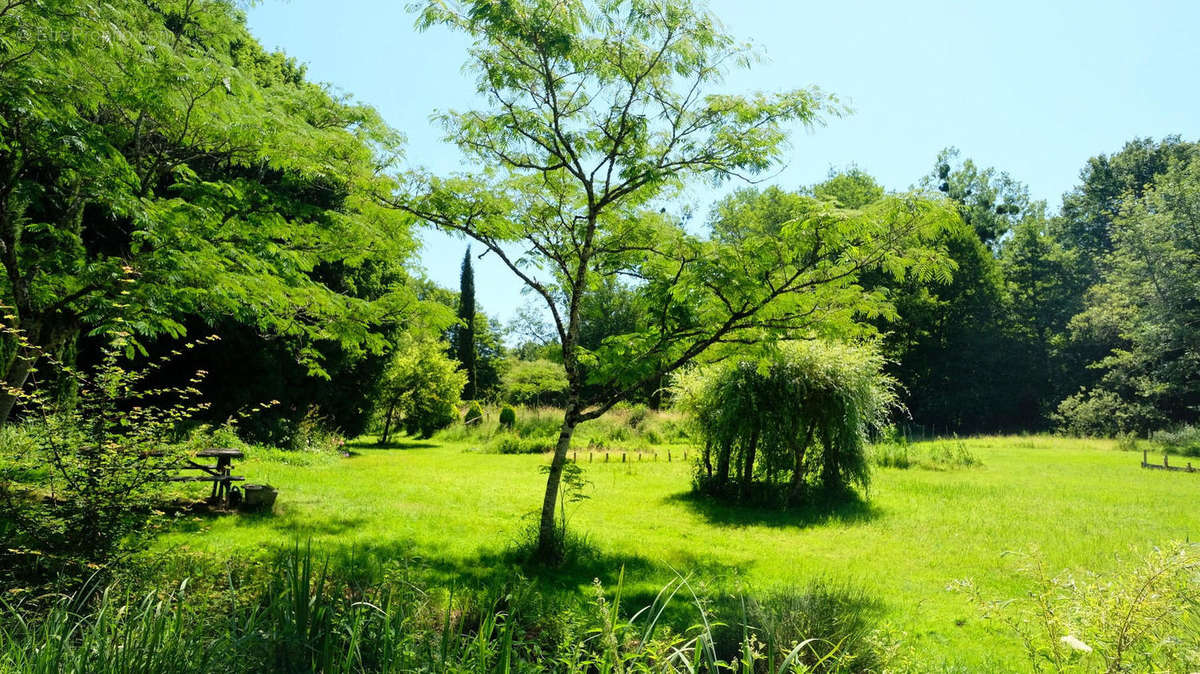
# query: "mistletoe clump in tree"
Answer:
x=597 y=115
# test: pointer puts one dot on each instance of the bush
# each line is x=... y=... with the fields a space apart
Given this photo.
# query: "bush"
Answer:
x=1101 y=413
x=1183 y=440
x=1141 y=617
x=103 y=460
x=534 y=383
x=474 y=415
x=508 y=417
x=513 y=444
x=760 y=419
x=421 y=390
x=836 y=618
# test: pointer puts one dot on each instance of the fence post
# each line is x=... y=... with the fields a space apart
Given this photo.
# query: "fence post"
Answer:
x=1165 y=463
x=668 y=456
x=622 y=457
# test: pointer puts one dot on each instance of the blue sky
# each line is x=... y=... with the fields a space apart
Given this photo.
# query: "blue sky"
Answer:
x=1033 y=88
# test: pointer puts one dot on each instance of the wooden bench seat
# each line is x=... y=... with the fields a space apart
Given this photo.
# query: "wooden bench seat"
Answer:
x=204 y=478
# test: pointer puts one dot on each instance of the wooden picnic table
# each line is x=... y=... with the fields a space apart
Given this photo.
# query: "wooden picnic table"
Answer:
x=220 y=473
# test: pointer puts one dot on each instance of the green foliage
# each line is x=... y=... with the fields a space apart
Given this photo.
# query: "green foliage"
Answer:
x=82 y=482
x=508 y=417
x=990 y=202
x=421 y=390
x=1104 y=414
x=595 y=115
x=515 y=444
x=836 y=622
x=1146 y=304
x=310 y=615
x=535 y=383
x=462 y=335
x=1183 y=440
x=1143 y=615
x=156 y=156
x=761 y=419
x=474 y=415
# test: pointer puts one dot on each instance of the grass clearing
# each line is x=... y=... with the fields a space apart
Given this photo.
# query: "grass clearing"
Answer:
x=1082 y=503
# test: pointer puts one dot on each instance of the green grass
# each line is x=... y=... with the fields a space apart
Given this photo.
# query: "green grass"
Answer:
x=456 y=511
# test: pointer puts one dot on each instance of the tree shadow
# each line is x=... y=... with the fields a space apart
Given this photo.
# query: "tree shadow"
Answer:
x=850 y=509
x=394 y=444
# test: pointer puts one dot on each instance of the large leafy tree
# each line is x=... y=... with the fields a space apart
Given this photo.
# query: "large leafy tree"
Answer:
x=1090 y=210
x=1148 y=304
x=597 y=113
x=156 y=164
x=990 y=201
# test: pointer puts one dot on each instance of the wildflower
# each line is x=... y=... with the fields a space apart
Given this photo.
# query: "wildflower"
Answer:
x=1076 y=644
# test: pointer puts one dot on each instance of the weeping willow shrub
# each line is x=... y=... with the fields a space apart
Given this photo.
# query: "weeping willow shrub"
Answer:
x=791 y=425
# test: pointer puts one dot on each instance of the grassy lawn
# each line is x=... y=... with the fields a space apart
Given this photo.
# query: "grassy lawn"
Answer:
x=1081 y=502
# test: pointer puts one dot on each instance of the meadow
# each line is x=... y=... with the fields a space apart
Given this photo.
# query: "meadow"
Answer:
x=456 y=512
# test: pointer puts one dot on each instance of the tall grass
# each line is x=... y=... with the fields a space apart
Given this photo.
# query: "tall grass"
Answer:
x=625 y=427
x=309 y=619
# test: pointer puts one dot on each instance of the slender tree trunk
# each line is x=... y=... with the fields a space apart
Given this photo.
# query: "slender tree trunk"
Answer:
x=798 y=469
x=21 y=363
x=723 y=465
x=548 y=544
x=387 y=423
x=748 y=467
x=15 y=376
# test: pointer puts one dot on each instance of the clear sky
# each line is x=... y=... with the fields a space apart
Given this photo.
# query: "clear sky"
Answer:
x=1032 y=87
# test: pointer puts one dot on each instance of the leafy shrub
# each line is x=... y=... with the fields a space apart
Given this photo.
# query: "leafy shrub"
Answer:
x=104 y=460
x=836 y=620
x=421 y=389
x=1101 y=413
x=534 y=383
x=474 y=415
x=1141 y=617
x=508 y=417
x=514 y=444
x=1183 y=440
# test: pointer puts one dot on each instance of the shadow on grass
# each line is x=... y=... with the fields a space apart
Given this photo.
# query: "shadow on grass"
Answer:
x=395 y=444
x=850 y=510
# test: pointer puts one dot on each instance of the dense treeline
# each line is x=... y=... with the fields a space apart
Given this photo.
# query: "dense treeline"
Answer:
x=162 y=174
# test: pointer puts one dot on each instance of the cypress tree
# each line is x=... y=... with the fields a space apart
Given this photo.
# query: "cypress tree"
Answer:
x=464 y=344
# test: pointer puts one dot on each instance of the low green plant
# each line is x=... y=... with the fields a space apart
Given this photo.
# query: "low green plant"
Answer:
x=950 y=454
x=514 y=444
x=84 y=482
x=310 y=616
x=897 y=452
x=1141 y=617
x=474 y=415
x=508 y=417
x=1184 y=440
x=837 y=620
